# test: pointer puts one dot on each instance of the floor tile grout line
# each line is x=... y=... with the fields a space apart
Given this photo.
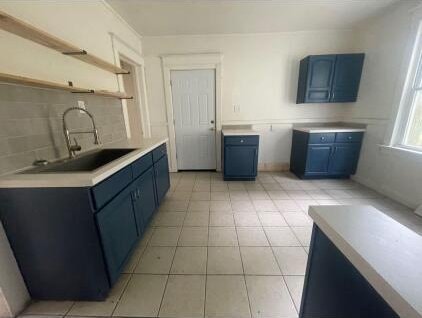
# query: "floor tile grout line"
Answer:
x=282 y=274
x=291 y=294
x=244 y=278
x=206 y=276
x=168 y=275
x=121 y=295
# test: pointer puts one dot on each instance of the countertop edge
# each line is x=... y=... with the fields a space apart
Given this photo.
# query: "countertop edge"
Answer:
x=63 y=180
x=389 y=294
x=313 y=130
x=240 y=132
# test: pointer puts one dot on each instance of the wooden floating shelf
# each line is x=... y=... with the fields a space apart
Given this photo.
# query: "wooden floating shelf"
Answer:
x=27 y=31
x=26 y=81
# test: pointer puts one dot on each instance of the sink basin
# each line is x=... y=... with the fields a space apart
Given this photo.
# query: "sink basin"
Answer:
x=84 y=163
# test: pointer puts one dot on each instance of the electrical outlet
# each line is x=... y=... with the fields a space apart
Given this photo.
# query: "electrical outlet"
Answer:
x=81 y=104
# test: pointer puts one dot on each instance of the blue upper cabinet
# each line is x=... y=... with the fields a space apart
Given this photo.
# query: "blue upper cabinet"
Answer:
x=330 y=78
x=347 y=78
x=319 y=78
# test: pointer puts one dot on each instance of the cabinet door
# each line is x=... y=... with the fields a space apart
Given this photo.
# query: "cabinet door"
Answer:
x=344 y=159
x=144 y=203
x=320 y=78
x=347 y=75
x=318 y=159
x=240 y=161
x=162 y=178
x=117 y=227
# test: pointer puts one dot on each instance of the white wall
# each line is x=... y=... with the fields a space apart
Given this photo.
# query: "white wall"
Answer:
x=386 y=40
x=84 y=23
x=260 y=74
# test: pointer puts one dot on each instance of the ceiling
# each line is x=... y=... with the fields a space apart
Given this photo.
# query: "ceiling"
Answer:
x=176 y=17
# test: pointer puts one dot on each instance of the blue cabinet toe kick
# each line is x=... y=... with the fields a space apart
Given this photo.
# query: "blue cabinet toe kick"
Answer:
x=240 y=157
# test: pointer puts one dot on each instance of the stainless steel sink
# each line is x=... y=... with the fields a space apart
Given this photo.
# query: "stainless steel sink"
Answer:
x=83 y=163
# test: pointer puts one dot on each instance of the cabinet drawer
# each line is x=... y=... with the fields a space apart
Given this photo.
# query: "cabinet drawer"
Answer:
x=107 y=189
x=141 y=165
x=158 y=152
x=324 y=138
x=349 y=137
x=241 y=140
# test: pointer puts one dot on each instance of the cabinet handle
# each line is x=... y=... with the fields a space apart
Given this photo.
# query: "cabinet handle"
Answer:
x=350 y=137
x=241 y=140
x=333 y=94
x=139 y=193
x=132 y=195
x=322 y=138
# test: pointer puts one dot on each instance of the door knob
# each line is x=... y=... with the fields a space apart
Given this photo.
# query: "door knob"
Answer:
x=212 y=121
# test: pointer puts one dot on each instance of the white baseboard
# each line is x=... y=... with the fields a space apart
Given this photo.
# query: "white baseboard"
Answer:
x=273 y=167
x=394 y=195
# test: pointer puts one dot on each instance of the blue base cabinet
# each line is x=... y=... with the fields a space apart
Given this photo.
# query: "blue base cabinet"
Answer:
x=162 y=178
x=335 y=288
x=325 y=155
x=73 y=243
x=118 y=232
x=332 y=78
x=240 y=157
x=144 y=199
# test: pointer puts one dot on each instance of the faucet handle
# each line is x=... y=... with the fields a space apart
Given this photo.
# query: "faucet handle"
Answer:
x=76 y=147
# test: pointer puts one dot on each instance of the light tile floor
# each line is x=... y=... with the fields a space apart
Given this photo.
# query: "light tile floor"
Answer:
x=225 y=249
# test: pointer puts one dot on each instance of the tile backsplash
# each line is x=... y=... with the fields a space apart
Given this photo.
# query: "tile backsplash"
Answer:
x=31 y=124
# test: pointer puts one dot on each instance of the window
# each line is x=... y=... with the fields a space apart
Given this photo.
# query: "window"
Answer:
x=412 y=136
x=409 y=122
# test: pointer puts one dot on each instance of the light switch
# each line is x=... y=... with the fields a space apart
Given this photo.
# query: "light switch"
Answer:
x=236 y=108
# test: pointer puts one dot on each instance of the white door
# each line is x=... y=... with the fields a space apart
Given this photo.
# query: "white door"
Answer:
x=193 y=94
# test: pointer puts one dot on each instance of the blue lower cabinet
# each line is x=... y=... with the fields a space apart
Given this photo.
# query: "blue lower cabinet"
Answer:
x=333 y=155
x=144 y=199
x=118 y=231
x=318 y=160
x=324 y=294
x=73 y=243
x=344 y=159
x=240 y=157
x=162 y=178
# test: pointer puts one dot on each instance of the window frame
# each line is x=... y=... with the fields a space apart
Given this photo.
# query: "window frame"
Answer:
x=412 y=87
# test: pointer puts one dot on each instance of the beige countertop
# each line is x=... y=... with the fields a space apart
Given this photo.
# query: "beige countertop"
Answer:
x=328 y=129
x=385 y=252
x=83 y=179
x=239 y=132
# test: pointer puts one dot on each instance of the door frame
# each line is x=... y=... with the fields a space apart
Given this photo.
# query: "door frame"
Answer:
x=127 y=53
x=178 y=62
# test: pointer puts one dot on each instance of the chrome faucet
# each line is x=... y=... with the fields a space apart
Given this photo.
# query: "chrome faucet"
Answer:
x=67 y=133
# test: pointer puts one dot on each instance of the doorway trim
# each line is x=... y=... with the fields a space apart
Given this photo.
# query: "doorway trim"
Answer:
x=175 y=62
x=124 y=51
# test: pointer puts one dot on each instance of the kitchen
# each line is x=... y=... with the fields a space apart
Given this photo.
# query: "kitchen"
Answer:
x=220 y=199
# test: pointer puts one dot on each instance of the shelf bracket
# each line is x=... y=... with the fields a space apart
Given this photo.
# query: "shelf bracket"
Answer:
x=82 y=52
x=91 y=91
